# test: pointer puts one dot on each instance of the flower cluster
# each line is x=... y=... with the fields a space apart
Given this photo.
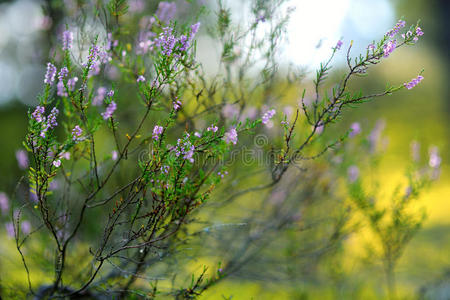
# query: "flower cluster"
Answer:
x=176 y=104
x=389 y=47
x=67 y=40
x=48 y=122
x=400 y=24
x=267 y=116
x=157 y=131
x=231 y=136
x=413 y=82
x=355 y=129
x=38 y=114
x=109 y=110
x=50 y=74
x=169 y=43
x=212 y=128
x=76 y=133
x=185 y=148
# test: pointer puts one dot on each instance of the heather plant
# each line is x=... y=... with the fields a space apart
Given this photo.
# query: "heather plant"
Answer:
x=133 y=141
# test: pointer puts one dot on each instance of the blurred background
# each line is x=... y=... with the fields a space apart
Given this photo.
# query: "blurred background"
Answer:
x=423 y=114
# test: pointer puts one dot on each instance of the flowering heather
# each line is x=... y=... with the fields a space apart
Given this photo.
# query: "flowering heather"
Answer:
x=231 y=136
x=22 y=159
x=165 y=169
x=50 y=74
x=198 y=134
x=339 y=44
x=419 y=31
x=400 y=24
x=57 y=163
x=389 y=47
x=65 y=155
x=166 y=41
x=267 y=116
x=371 y=47
x=185 y=148
x=222 y=174
x=63 y=73
x=76 y=133
x=176 y=104
x=38 y=114
x=140 y=78
x=114 y=155
x=413 y=82
x=212 y=128
x=110 y=93
x=109 y=110
x=51 y=119
x=355 y=129
x=4 y=203
x=166 y=11
x=435 y=160
x=157 y=130
x=67 y=40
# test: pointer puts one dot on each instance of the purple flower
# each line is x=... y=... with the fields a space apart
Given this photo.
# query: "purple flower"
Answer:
x=166 y=11
x=50 y=75
x=355 y=129
x=413 y=82
x=110 y=93
x=26 y=227
x=165 y=169
x=267 y=116
x=10 y=231
x=22 y=159
x=157 y=131
x=231 y=136
x=140 y=78
x=63 y=73
x=4 y=203
x=57 y=163
x=339 y=44
x=51 y=119
x=109 y=110
x=198 y=134
x=114 y=155
x=353 y=173
x=435 y=160
x=176 y=104
x=67 y=40
x=38 y=114
x=76 y=133
x=166 y=41
x=93 y=53
x=212 y=128
x=194 y=29
x=400 y=24
x=419 y=31
x=65 y=155
x=371 y=47
x=389 y=47
x=222 y=175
